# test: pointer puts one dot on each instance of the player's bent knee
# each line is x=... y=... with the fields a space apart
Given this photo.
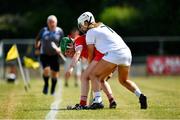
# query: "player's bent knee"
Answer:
x=102 y=81
x=91 y=76
x=84 y=77
x=46 y=72
x=122 y=81
x=94 y=75
x=54 y=74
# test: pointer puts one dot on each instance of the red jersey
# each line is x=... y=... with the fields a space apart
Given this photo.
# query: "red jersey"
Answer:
x=81 y=41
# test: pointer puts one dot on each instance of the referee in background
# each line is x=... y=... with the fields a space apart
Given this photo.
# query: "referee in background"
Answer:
x=48 y=54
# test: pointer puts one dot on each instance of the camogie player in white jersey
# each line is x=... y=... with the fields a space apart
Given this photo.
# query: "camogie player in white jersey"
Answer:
x=117 y=54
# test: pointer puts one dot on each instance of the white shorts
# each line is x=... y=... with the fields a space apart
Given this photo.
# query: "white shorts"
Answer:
x=84 y=63
x=119 y=57
x=67 y=63
x=77 y=67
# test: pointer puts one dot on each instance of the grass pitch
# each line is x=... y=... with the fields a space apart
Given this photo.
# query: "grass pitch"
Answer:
x=163 y=99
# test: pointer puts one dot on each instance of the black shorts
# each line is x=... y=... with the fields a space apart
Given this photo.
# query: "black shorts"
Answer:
x=51 y=61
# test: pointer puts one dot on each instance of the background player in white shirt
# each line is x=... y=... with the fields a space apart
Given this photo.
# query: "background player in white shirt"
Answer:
x=117 y=54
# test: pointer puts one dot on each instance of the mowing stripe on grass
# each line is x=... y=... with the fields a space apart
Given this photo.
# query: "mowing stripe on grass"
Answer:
x=55 y=105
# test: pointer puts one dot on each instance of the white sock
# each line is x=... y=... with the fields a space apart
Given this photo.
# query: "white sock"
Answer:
x=137 y=92
x=97 y=97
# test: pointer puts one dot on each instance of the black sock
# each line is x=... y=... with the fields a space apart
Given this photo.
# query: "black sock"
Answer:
x=46 y=79
x=54 y=81
x=110 y=100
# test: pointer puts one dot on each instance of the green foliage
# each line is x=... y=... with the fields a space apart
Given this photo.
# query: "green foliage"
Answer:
x=21 y=18
x=119 y=16
x=12 y=23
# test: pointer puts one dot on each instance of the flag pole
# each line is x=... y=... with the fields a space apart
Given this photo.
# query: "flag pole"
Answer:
x=26 y=71
x=22 y=72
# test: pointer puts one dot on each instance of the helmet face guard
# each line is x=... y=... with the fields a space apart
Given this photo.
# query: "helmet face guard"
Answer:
x=83 y=18
x=82 y=28
x=69 y=52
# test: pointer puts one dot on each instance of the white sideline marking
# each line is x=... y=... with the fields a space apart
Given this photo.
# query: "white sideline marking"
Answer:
x=55 y=105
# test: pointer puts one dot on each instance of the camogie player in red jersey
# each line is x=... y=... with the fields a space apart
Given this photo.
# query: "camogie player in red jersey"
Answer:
x=79 y=50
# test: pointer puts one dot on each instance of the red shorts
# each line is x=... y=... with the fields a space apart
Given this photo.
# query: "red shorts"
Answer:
x=98 y=56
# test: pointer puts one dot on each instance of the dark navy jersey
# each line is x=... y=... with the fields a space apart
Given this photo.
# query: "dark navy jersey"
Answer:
x=46 y=37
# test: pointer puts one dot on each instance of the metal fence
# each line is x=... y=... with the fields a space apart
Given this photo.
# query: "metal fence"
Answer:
x=141 y=47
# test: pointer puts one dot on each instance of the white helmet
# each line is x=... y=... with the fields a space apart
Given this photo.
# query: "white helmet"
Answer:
x=86 y=16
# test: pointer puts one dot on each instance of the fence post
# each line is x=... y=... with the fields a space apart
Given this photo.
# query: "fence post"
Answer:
x=161 y=47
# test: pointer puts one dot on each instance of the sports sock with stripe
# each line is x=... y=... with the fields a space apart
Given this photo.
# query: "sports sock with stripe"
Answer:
x=97 y=97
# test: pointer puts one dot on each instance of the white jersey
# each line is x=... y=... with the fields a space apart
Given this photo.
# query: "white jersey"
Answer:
x=105 y=39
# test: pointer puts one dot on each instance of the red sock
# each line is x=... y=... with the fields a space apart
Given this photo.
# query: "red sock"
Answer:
x=83 y=100
x=83 y=103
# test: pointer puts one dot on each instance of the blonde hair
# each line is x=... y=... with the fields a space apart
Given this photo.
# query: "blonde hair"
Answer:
x=94 y=25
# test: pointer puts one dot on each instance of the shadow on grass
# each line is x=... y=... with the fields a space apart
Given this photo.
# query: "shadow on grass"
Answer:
x=63 y=109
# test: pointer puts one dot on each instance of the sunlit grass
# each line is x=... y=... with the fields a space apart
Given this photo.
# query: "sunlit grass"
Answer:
x=163 y=97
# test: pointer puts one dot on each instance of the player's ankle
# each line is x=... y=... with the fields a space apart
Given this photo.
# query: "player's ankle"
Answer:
x=111 y=100
x=97 y=97
x=83 y=103
x=137 y=93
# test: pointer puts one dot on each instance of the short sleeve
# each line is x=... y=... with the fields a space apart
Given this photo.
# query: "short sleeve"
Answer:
x=41 y=33
x=78 y=42
x=61 y=32
x=90 y=37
